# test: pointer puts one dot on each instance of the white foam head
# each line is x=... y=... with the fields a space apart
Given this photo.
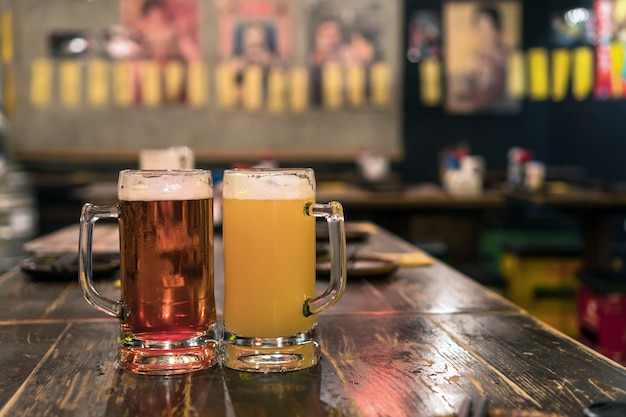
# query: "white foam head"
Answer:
x=164 y=185
x=272 y=184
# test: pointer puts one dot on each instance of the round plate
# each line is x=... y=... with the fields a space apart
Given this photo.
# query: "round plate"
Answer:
x=63 y=267
x=361 y=267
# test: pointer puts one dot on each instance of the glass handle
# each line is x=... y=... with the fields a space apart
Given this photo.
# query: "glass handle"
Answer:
x=90 y=214
x=333 y=213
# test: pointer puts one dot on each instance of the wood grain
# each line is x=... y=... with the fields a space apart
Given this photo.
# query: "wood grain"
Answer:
x=413 y=344
x=386 y=365
x=22 y=347
x=23 y=298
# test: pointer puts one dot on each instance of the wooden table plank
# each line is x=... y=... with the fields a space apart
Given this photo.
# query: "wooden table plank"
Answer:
x=373 y=365
x=23 y=298
x=552 y=370
x=22 y=347
x=432 y=362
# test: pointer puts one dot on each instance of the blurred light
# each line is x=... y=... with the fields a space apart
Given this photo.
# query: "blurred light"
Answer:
x=576 y=16
x=414 y=55
x=77 y=45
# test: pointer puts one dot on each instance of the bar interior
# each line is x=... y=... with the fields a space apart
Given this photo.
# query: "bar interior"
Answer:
x=313 y=208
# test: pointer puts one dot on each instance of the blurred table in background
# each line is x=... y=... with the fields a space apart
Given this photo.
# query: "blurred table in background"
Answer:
x=596 y=209
x=422 y=213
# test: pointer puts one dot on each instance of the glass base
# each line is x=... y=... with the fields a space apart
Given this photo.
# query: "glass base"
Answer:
x=168 y=357
x=271 y=354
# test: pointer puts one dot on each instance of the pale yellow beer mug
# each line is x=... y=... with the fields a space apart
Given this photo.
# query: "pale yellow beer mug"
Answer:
x=270 y=306
x=167 y=306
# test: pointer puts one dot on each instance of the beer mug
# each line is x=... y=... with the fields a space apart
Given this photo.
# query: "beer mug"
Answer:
x=167 y=310
x=270 y=307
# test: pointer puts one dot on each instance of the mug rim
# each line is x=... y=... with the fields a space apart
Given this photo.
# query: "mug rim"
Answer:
x=165 y=171
x=269 y=171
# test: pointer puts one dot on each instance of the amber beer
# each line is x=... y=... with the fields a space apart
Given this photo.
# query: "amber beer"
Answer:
x=168 y=284
x=167 y=310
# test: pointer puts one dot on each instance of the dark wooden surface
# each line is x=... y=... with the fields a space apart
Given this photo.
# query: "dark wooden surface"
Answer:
x=412 y=344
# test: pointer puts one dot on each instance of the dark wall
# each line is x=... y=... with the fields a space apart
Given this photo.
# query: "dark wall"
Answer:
x=591 y=133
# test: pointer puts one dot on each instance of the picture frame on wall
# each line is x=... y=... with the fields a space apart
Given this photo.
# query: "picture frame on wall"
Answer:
x=345 y=44
x=480 y=38
x=254 y=40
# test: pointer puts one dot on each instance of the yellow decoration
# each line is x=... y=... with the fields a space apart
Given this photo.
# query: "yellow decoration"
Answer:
x=123 y=83
x=276 y=90
x=381 y=84
x=41 y=82
x=98 y=88
x=560 y=73
x=70 y=83
x=299 y=95
x=332 y=86
x=174 y=77
x=430 y=81
x=538 y=73
x=7 y=37
x=355 y=85
x=197 y=87
x=150 y=84
x=252 y=97
x=226 y=88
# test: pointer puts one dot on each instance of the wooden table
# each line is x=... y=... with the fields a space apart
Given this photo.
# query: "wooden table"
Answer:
x=413 y=344
x=596 y=209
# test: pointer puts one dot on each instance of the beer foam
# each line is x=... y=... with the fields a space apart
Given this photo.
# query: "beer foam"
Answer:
x=161 y=186
x=250 y=185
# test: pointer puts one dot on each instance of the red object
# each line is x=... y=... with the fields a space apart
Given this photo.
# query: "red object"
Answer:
x=602 y=321
x=604 y=29
x=241 y=165
x=526 y=156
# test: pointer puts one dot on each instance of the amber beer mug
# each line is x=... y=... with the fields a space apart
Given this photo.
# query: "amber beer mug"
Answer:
x=167 y=308
x=270 y=306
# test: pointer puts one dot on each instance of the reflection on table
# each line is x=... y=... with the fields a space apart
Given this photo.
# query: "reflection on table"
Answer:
x=421 y=339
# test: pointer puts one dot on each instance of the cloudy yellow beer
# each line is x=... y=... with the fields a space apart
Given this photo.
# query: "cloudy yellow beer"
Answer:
x=269 y=260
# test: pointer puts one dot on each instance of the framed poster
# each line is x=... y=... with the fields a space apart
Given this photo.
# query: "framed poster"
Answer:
x=158 y=39
x=480 y=38
x=346 y=52
x=164 y=30
x=254 y=37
